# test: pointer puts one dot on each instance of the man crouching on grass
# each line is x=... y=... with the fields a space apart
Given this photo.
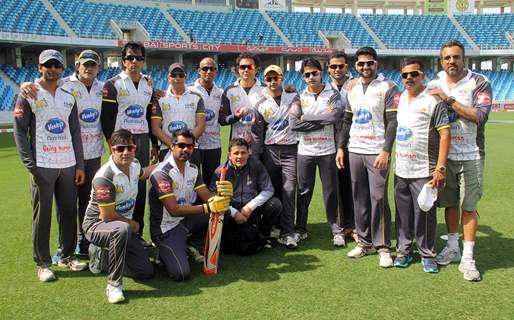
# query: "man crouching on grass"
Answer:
x=108 y=222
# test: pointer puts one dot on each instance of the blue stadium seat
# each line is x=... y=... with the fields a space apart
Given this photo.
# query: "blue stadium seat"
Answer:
x=28 y=16
x=488 y=30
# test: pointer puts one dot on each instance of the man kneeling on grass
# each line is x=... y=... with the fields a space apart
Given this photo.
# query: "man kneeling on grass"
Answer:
x=174 y=218
x=108 y=222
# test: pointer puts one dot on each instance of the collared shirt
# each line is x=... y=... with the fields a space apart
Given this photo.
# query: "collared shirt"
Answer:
x=236 y=97
x=210 y=139
x=417 y=137
x=113 y=187
x=344 y=88
x=178 y=112
x=474 y=90
x=368 y=106
x=89 y=107
x=166 y=181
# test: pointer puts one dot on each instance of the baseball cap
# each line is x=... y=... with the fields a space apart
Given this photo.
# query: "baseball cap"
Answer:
x=50 y=54
x=88 y=55
x=427 y=197
x=275 y=68
x=177 y=65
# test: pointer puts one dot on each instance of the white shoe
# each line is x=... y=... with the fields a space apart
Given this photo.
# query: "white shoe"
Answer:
x=299 y=236
x=114 y=294
x=385 y=259
x=275 y=233
x=470 y=271
x=194 y=255
x=338 y=240
x=73 y=264
x=45 y=274
x=448 y=255
x=359 y=251
x=288 y=241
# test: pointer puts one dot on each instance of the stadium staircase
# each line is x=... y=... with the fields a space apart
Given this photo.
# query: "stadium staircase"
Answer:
x=466 y=36
x=276 y=28
x=380 y=43
x=58 y=18
x=174 y=23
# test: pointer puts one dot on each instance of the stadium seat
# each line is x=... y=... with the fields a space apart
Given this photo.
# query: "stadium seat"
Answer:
x=28 y=16
x=488 y=30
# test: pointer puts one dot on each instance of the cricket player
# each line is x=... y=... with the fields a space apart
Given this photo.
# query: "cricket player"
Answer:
x=175 y=219
x=314 y=121
x=468 y=96
x=370 y=125
x=181 y=108
x=109 y=223
x=422 y=143
x=277 y=145
x=47 y=135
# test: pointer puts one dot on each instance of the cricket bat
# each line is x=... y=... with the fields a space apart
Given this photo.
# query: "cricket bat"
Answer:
x=213 y=238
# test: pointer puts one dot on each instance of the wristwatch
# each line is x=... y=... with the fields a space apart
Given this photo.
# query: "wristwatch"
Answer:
x=450 y=101
x=441 y=169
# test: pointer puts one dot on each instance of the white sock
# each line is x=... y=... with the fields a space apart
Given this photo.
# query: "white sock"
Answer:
x=467 y=252
x=453 y=241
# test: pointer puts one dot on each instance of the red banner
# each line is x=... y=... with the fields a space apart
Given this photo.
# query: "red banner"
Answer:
x=508 y=106
x=231 y=48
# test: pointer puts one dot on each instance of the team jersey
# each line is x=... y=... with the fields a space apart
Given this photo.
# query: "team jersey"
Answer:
x=325 y=108
x=132 y=102
x=236 y=97
x=210 y=139
x=474 y=90
x=417 y=137
x=167 y=181
x=369 y=105
x=112 y=187
x=89 y=107
x=272 y=121
x=178 y=112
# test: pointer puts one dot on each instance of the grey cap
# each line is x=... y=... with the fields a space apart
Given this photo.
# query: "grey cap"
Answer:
x=177 y=65
x=50 y=54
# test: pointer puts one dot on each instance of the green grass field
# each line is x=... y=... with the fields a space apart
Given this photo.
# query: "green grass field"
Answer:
x=315 y=281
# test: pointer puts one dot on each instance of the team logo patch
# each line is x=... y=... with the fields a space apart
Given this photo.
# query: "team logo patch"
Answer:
x=125 y=206
x=75 y=93
x=40 y=103
x=279 y=125
x=176 y=125
x=164 y=186
x=135 y=111
x=165 y=107
x=102 y=192
x=483 y=98
x=18 y=111
x=267 y=112
x=55 y=126
x=234 y=99
x=403 y=134
x=123 y=93
x=363 y=116
x=105 y=93
x=89 y=115
x=119 y=188
x=209 y=114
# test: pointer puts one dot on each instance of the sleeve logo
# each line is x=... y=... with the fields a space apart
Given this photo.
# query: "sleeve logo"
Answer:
x=483 y=98
x=102 y=192
x=164 y=186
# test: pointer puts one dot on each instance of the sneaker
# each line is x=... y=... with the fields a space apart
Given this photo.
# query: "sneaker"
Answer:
x=45 y=274
x=429 y=265
x=402 y=261
x=194 y=255
x=448 y=255
x=275 y=233
x=298 y=236
x=385 y=260
x=114 y=294
x=359 y=251
x=73 y=264
x=338 y=240
x=95 y=259
x=470 y=271
x=268 y=244
x=288 y=241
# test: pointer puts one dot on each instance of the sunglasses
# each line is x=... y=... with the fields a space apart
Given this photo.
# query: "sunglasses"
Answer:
x=123 y=147
x=177 y=75
x=134 y=57
x=312 y=73
x=369 y=63
x=413 y=74
x=273 y=78
x=246 y=66
x=208 y=68
x=89 y=56
x=183 y=145
x=337 y=66
x=53 y=64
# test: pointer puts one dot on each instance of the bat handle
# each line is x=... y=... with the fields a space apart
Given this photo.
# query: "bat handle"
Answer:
x=223 y=173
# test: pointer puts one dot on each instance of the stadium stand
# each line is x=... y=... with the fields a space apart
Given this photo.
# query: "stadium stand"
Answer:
x=226 y=27
x=488 y=30
x=92 y=19
x=413 y=31
x=7 y=95
x=28 y=16
x=302 y=28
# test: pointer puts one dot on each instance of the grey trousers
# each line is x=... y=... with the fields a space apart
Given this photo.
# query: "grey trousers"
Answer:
x=306 y=169
x=345 y=197
x=280 y=162
x=142 y=142
x=126 y=253
x=209 y=160
x=411 y=221
x=91 y=166
x=47 y=183
x=172 y=245
x=371 y=207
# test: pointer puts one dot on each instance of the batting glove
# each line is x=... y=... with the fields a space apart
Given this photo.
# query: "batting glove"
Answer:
x=225 y=188
x=216 y=204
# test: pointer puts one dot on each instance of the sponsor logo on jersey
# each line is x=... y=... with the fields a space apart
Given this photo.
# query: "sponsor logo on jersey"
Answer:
x=483 y=98
x=396 y=99
x=209 y=114
x=123 y=93
x=18 y=111
x=248 y=118
x=40 y=103
x=135 y=111
x=279 y=125
x=234 y=99
x=102 y=192
x=119 y=188
x=164 y=186
x=89 y=115
x=125 y=206
x=181 y=201
x=55 y=126
x=362 y=116
x=176 y=125
x=403 y=134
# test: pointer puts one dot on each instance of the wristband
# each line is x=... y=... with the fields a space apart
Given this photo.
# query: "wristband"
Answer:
x=450 y=101
x=205 y=207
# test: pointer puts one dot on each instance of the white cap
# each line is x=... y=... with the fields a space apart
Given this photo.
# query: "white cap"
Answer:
x=427 y=197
